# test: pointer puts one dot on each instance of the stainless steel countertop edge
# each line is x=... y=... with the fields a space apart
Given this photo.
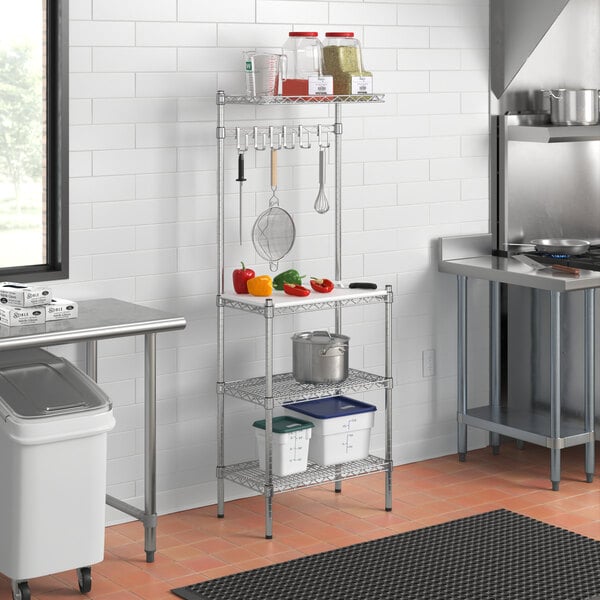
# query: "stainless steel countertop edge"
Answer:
x=458 y=256
x=99 y=319
x=510 y=271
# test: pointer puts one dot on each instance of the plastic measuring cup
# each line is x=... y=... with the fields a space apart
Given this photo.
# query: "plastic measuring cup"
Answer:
x=263 y=73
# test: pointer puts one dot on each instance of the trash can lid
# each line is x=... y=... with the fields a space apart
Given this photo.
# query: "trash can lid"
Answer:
x=36 y=384
x=285 y=424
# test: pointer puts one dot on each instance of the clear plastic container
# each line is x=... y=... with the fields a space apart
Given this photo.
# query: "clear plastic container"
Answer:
x=303 y=69
x=342 y=59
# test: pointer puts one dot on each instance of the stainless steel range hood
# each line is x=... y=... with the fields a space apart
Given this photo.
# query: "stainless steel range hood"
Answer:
x=516 y=28
x=541 y=44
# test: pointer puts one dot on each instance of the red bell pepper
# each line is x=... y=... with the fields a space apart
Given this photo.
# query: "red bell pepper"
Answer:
x=295 y=290
x=324 y=286
x=240 y=279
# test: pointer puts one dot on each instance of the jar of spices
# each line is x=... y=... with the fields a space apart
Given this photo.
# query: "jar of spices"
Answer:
x=303 y=67
x=342 y=59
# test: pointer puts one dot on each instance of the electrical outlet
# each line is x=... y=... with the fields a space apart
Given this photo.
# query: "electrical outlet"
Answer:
x=428 y=363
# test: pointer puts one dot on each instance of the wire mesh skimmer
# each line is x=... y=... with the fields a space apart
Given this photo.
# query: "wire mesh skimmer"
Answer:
x=274 y=231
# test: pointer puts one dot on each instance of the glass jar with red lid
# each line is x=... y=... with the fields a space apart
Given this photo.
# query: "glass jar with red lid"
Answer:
x=303 y=66
x=342 y=59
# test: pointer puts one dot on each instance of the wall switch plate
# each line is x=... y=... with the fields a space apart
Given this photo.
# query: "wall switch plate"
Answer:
x=428 y=363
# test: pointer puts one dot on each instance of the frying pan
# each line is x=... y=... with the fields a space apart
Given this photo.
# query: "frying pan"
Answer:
x=571 y=247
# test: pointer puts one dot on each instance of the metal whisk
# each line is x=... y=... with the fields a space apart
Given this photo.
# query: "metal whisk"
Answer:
x=321 y=203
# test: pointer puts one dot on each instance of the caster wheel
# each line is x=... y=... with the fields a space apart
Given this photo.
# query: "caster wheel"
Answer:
x=84 y=579
x=22 y=591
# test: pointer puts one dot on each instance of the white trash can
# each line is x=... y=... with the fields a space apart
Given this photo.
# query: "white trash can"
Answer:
x=54 y=421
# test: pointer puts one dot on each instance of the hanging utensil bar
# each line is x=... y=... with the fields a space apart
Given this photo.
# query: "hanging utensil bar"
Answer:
x=280 y=136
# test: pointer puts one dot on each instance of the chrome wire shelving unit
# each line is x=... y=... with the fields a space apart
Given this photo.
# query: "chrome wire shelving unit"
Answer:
x=275 y=389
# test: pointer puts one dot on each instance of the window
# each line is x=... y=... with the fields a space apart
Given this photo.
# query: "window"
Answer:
x=34 y=122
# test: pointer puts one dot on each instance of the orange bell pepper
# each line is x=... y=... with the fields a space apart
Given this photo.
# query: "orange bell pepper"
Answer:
x=261 y=285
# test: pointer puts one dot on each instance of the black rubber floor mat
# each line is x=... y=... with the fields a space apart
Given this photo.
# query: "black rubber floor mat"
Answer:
x=499 y=555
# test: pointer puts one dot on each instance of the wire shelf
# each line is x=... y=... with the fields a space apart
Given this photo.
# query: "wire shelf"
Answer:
x=287 y=389
x=303 y=99
x=285 y=306
x=249 y=475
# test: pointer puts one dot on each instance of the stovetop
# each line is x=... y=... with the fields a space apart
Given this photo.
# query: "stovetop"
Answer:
x=590 y=260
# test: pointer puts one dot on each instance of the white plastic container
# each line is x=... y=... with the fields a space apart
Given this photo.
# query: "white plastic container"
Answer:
x=53 y=431
x=342 y=430
x=291 y=441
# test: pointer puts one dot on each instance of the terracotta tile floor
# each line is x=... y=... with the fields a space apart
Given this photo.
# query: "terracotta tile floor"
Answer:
x=195 y=545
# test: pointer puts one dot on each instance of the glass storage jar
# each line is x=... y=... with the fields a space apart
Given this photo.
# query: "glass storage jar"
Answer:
x=342 y=59
x=302 y=69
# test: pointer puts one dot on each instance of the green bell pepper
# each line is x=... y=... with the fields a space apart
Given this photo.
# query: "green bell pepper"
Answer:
x=289 y=276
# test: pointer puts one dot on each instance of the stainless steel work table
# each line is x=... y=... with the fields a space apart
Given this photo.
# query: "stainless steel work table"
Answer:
x=102 y=319
x=554 y=433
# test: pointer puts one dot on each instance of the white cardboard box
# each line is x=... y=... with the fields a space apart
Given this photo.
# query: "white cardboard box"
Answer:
x=18 y=315
x=61 y=308
x=18 y=294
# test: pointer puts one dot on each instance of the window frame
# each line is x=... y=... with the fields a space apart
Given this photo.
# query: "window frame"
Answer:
x=57 y=153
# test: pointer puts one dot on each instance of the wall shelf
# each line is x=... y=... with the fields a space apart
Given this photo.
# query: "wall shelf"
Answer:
x=551 y=134
x=303 y=99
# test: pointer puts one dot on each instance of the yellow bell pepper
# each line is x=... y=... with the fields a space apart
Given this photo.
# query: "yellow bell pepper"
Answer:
x=261 y=285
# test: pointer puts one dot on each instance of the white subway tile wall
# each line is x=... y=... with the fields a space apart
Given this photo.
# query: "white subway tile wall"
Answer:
x=143 y=180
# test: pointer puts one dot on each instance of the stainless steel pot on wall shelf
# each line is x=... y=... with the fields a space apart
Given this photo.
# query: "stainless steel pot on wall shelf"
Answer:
x=571 y=107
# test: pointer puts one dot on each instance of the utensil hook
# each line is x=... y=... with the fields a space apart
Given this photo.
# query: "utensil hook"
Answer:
x=292 y=136
x=323 y=137
x=303 y=134
x=274 y=139
x=242 y=140
x=262 y=136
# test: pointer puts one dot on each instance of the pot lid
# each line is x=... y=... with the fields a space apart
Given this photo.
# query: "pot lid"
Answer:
x=321 y=338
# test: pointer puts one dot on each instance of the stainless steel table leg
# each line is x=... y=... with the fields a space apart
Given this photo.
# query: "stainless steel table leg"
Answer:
x=555 y=388
x=495 y=361
x=462 y=366
x=589 y=364
x=150 y=445
x=91 y=359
